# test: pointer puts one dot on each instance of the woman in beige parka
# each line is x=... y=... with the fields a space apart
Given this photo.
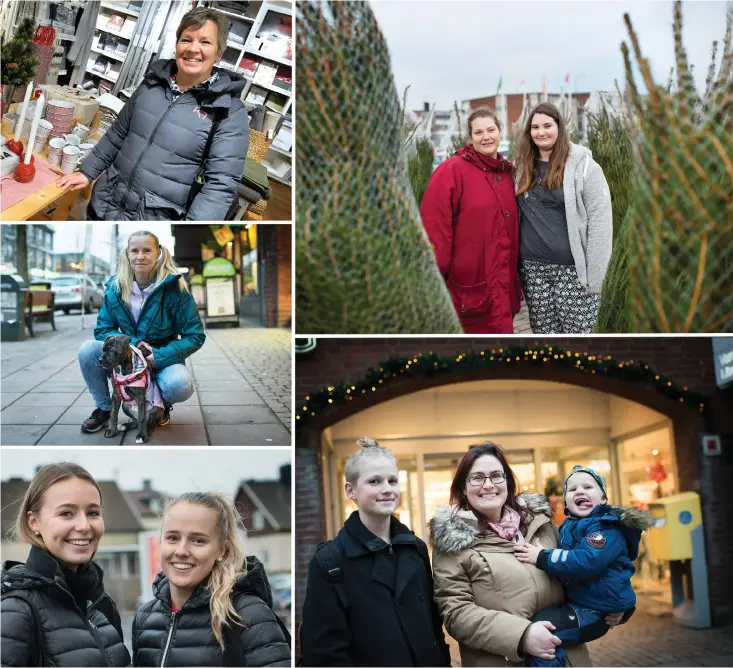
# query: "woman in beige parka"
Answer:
x=485 y=595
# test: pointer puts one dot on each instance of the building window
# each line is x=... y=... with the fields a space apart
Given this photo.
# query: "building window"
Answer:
x=265 y=557
x=258 y=521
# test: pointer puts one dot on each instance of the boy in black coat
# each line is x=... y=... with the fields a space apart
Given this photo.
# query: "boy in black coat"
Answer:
x=369 y=600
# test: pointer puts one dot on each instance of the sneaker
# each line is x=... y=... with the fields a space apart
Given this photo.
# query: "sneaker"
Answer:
x=96 y=421
x=166 y=419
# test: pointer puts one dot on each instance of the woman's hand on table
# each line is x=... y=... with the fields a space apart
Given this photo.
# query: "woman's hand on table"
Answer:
x=540 y=642
x=76 y=180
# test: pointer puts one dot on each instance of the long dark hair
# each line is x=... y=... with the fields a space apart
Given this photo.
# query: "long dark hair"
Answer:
x=528 y=154
x=458 y=486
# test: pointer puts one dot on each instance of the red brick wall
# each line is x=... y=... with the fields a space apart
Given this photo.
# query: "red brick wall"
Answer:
x=686 y=360
x=284 y=274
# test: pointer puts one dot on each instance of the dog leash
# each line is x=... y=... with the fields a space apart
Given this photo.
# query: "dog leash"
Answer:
x=137 y=378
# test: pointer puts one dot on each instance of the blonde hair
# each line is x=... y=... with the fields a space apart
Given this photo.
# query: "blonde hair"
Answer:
x=33 y=499
x=370 y=449
x=226 y=572
x=165 y=266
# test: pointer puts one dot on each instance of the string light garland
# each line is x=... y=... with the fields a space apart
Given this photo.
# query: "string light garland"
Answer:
x=431 y=364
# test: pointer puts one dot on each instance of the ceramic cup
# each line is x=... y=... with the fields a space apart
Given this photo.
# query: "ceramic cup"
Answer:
x=70 y=159
x=72 y=139
x=44 y=128
x=81 y=131
x=57 y=144
x=54 y=158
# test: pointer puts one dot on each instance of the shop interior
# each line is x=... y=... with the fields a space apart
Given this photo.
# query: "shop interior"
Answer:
x=545 y=427
x=92 y=56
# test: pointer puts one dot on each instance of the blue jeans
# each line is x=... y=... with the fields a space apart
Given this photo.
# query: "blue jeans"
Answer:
x=573 y=625
x=175 y=381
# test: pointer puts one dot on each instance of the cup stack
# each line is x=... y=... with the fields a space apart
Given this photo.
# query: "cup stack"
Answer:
x=70 y=159
x=61 y=115
x=42 y=133
x=55 y=150
x=81 y=131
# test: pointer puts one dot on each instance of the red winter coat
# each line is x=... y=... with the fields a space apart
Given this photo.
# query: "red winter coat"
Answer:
x=470 y=215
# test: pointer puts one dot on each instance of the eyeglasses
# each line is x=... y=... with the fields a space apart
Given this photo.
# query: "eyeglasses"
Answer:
x=496 y=478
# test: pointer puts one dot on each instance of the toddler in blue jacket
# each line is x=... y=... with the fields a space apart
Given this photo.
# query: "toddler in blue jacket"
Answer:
x=598 y=544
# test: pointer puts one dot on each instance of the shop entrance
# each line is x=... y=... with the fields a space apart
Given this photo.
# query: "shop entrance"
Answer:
x=545 y=427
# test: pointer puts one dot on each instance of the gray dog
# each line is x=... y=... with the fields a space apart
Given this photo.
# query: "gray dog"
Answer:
x=118 y=357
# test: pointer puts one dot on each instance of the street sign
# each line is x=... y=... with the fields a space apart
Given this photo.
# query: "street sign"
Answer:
x=723 y=359
x=711 y=445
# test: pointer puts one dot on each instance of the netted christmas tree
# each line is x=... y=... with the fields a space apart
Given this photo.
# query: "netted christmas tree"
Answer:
x=18 y=63
x=420 y=165
x=460 y=139
x=364 y=263
x=680 y=231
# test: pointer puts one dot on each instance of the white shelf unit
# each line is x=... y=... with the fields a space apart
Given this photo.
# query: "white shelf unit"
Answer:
x=268 y=13
x=113 y=60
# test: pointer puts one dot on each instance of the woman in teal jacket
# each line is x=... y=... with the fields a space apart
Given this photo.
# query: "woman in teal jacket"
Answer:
x=147 y=300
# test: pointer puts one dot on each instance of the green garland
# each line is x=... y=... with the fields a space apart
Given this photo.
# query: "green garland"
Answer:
x=431 y=364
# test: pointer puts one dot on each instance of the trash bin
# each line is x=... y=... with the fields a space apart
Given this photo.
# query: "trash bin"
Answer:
x=13 y=290
x=676 y=536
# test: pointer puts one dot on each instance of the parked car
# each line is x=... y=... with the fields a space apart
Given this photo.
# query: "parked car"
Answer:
x=68 y=294
x=280 y=583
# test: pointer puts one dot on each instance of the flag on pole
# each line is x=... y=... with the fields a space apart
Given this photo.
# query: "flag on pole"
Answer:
x=544 y=88
x=522 y=82
x=498 y=87
x=567 y=78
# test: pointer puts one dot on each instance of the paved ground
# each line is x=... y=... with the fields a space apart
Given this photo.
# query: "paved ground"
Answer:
x=521 y=321
x=243 y=388
x=653 y=638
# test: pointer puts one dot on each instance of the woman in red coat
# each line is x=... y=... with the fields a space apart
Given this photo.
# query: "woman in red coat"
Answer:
x=470 y=215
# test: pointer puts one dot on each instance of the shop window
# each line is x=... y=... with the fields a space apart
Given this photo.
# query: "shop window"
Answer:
x=647 y=466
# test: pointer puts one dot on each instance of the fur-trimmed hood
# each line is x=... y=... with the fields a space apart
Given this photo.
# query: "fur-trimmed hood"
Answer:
x=452 y=530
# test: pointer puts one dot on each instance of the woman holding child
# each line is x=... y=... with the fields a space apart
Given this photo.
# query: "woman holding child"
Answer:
x=486 y=595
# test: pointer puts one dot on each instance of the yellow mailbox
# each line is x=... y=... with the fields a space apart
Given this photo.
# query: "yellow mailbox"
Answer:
x=674 y=518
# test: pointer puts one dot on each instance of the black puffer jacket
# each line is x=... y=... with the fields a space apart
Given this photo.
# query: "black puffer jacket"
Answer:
x=153 y=150
x=162 y=638
x=35 y=597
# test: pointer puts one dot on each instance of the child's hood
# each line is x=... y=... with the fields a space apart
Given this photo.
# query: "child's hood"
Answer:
x=631 y=521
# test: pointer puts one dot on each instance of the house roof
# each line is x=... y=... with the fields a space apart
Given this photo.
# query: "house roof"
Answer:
x=120 y=515
x=272 y=498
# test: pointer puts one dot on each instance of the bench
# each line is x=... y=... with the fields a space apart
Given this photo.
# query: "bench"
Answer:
x=39 y=306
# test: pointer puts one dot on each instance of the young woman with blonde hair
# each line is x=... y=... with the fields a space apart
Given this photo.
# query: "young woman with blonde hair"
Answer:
x=211 y=608
x=54 y=609
x=147 y=300
x=565 y=226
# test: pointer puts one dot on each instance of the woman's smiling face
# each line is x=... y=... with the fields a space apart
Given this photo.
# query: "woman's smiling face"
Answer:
x=196 y=51
x=191 y=544
x=70 y=521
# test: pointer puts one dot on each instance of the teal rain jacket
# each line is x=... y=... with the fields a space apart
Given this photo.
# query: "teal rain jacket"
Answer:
x=169 y=321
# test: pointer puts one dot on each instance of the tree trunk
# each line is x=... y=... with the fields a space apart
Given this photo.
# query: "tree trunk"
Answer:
x=22 y=250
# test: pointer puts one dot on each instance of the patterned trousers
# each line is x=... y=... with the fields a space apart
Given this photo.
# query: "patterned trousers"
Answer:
x=558 y=303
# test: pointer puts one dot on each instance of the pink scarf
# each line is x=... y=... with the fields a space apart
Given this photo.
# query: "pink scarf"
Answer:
x=508 y=527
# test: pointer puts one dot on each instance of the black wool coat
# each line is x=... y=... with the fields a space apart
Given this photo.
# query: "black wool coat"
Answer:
x=148 y=159
x=35 y=598
x=391 y=618
x=162 y=638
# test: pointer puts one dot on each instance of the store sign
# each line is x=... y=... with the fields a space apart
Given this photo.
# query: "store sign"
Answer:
x=223 y=235
x=711 y=445
x=219 y=297
x=305 y=345
x=723 y=359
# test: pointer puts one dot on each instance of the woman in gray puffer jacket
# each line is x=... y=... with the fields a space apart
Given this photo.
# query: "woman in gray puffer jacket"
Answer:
x=208 y=609
x=149 y=158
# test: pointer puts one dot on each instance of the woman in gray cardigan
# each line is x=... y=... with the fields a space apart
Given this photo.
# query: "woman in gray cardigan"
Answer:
x=565 y=226
x=148 y=160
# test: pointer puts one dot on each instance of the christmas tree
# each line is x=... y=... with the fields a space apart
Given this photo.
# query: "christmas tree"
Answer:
x=679 y=240
x=364 y=261
x=18 y=65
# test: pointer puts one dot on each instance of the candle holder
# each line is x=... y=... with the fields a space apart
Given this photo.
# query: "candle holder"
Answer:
x=25 y=173
x=15 y=146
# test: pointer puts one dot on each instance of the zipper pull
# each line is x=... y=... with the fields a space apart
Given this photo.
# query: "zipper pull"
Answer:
x=390 y=548
x=91 y=624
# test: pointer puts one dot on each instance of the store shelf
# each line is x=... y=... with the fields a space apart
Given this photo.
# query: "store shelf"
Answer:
x=264 y=56
x=239 y=17
x=101 y=76
x=120 y=59
x=235 y=46
x=66 y=38
x=279 y=179
x=280 y=151
x=112 y=7
x=270 y=87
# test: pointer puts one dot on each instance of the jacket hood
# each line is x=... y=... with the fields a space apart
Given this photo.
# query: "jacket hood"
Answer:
x=228 y=83
x=253 y=582
x=631 y=521
x=578 y=155
x=452 y=530
x=109 y=285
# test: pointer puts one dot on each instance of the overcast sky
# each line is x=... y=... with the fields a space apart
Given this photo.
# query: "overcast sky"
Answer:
x=172 y=470
x=70 y=237
x=457 y=50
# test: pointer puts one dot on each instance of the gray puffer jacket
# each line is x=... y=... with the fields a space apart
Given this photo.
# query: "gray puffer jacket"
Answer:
x=151 y=153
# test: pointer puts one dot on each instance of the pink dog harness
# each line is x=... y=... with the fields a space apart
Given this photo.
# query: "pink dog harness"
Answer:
x=140 y=377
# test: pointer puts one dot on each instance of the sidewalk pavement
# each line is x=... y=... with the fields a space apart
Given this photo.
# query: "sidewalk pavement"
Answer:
x=243 y=388
x=521 y=320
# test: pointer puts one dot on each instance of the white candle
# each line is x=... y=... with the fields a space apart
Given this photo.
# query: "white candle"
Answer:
x=34 y=129
x=23 y=109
